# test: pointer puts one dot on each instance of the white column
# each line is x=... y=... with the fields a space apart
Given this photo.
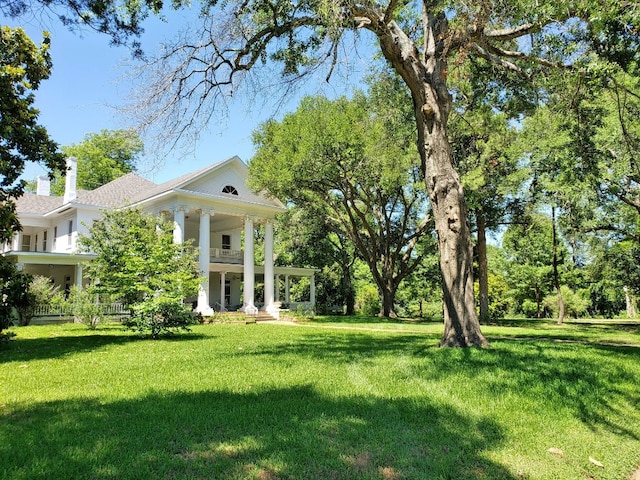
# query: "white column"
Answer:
x=223 y=278
x=203 y=293
x=277 y=288
x=268 y=265
x=249 y=275
x=79 y=275
x=286 y=289
x=178 y=225
x=312 y=290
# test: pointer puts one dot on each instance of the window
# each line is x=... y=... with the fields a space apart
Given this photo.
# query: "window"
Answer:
x=35 y=244
x=44 y=241
x=230 y=189
x=226 y=242
x=55 y=236
x=70 y=232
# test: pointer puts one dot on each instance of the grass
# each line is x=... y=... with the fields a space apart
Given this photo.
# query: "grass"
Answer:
x=326 y=400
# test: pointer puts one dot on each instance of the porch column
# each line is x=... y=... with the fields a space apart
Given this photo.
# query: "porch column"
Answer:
x=286 y=289
x=178 y=225
x=249 y=274
x=203 y=293
x=277 y=285
x=268 y=265
x=223 y=279
x=79 y=275
x=312 y=289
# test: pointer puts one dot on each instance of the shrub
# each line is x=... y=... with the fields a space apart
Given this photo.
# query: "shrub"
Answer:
x=85 y=307
x=575 y=303
x=529 y=308
x=368 y=300
x=162 y=315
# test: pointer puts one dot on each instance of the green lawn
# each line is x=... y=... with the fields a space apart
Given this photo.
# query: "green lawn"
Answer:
x=322 y=400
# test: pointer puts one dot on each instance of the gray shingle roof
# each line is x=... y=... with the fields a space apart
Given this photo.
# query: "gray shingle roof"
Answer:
x=37 y=204
x=120 y=192
x=128 y=189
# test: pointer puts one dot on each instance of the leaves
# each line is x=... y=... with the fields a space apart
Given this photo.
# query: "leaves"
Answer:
x=138 y=263
x=23 y=66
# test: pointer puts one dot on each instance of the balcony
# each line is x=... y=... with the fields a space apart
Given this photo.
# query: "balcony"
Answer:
x=221 y=255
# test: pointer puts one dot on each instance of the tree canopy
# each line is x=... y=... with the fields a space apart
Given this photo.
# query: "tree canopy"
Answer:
x=336 y=158
x=102 y=157
x=23 y=66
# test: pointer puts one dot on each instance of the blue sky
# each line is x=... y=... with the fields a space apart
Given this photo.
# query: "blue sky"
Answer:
x=87 y=84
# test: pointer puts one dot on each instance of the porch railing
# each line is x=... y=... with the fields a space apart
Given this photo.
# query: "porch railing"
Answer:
x=221 y=255
x=61 y=311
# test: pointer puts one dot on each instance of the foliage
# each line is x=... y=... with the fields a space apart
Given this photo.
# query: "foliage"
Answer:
x=102 y=157
x=575 y=303
x=334 y=158
x=528 y=262
x=16 y=300
x=23 y=66
x=41 y=291
x=368 y=300
x=85 y=306
x=306 y=238
x=138 y=263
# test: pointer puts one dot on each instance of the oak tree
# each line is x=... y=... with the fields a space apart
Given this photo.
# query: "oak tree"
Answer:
x=336 y=157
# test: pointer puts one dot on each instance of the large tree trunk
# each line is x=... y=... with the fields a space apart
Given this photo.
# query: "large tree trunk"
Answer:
x=426 y=77
x=483 y=266
x=461 y=324
x=387 y=309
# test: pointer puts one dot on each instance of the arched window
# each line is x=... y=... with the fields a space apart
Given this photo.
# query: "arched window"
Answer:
x=230 y=189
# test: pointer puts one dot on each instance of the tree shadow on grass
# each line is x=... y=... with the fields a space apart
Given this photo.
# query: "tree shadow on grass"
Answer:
x=291 y=433
x=26 y=349
x=588 y=380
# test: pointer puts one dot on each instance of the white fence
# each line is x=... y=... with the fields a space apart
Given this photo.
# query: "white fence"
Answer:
x=61 y=311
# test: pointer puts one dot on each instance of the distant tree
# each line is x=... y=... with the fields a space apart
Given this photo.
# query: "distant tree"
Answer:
x=138 y=263
x=530 y=259
x=337 y=154
x=307 y=238
x=23 y=66
x=102 y=157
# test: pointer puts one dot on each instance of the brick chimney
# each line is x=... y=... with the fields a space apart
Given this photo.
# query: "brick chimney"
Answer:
x=43 y=185
x=70 y=180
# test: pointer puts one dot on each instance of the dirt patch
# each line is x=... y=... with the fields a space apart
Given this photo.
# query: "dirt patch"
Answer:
x=635 y=475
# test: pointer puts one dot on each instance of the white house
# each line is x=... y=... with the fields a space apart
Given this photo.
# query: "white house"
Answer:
x=213 y=206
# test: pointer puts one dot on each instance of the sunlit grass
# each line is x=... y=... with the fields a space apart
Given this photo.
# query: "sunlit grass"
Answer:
x=375 y=401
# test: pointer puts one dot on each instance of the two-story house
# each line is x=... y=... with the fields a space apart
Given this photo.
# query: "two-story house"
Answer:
x=213 y=206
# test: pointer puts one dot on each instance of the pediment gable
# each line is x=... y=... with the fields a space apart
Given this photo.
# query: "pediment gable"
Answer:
x=227 y=180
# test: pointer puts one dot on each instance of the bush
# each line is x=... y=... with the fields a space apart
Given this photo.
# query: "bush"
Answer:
x=85 y=307
x=15 y=297
x=368 y=301
x=575 y=303
x=162 y=315
x=43 y=292
x=529 y=308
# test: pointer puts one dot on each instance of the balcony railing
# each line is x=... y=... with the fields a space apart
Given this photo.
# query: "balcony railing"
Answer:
x=221 y=255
